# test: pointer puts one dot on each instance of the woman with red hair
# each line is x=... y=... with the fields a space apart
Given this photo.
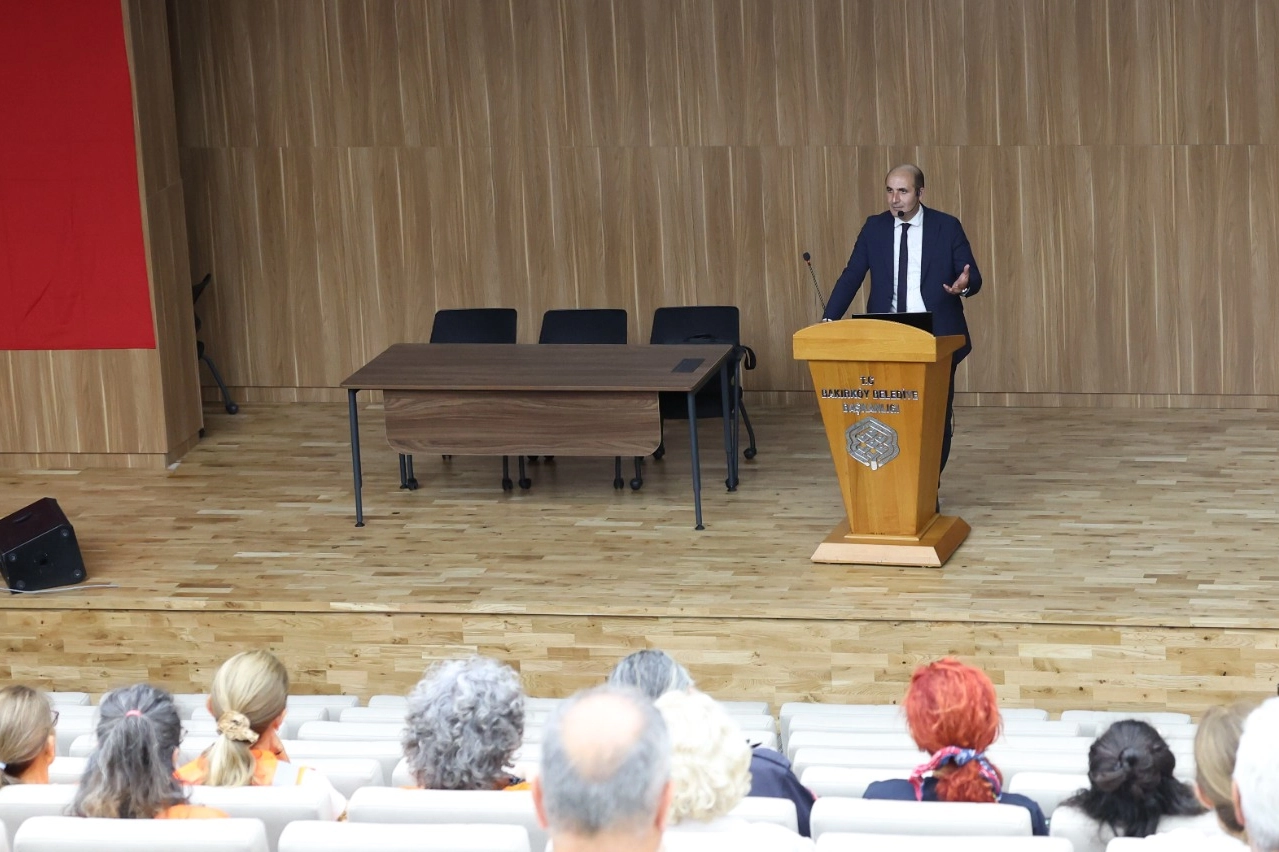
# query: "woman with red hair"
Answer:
x=952 y=715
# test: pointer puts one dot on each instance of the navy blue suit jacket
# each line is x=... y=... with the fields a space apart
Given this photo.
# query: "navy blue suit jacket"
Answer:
x=946 y=251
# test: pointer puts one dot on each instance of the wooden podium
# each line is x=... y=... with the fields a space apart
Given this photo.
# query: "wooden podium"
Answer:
x=882 y=389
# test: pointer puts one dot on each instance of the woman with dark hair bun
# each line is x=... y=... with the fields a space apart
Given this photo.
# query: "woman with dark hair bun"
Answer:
x=953 y=715
x=1132 y=790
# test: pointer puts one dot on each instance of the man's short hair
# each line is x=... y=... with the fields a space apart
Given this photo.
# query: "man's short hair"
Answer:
x=1257 y=776
x=615 y=787
x=911 y=169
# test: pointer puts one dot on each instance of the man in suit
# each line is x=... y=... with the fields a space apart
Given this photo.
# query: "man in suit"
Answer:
x=919 y=260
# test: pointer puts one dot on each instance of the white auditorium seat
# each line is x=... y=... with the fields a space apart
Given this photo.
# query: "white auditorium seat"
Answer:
x=894 y=724
x=767 y=809
x=763 y=739
x=187 y=702
x=76 y=834
x=1010 y=761
x=885 y=816
x=352 y=731
x=408 y=837
x=385 y=752
x=755 y=722
x=497 y=807
x=276 y=807
x=294 y=718
x=67 y=770
x=347 y=774
x=847 y=781
x=72 y=726
x=1047 y=789
x=711 y=841
x=791 y=709
x=21 y=802
x=399 y=701
x=335 y=704
x=1092 y=722
x=903 y=741
x=378 y=714
x=68 y=699
x=1084 y=833
x=844 y=842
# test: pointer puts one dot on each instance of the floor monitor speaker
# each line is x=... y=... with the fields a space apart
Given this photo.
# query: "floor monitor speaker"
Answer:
x=38 y=548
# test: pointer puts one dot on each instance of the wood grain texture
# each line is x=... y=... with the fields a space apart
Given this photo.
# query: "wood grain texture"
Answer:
x=353 y=166
x=1117 y=558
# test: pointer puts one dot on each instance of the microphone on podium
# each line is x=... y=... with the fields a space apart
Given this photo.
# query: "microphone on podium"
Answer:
x=808 y=259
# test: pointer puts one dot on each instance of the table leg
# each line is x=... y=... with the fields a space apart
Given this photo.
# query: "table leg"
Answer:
x=697 y=463
x=730 y=432
x=355 y=455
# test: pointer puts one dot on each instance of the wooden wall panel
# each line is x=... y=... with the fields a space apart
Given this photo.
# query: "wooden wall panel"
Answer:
x=353 y=166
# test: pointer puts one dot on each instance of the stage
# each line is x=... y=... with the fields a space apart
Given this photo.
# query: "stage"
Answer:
x=1119 y=558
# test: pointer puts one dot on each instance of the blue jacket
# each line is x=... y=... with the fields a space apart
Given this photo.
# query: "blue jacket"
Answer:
x=946 y=252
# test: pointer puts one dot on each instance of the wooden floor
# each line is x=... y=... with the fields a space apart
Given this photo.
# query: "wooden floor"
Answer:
x=1118 y=558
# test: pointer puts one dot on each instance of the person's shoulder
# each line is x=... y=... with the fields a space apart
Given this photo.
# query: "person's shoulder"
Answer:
x=1019 y=799
x=897 y=788
x=769 y=756
x=939 y=217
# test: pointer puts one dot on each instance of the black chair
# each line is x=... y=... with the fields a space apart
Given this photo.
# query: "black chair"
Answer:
x=201 y=355
x=590 y=326
x=471 y=325
x=706 y=324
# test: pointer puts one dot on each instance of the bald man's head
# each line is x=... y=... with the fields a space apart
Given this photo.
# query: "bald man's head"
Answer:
x=605 y=763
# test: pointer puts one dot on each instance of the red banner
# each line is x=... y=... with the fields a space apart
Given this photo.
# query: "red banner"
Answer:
x=72 y=264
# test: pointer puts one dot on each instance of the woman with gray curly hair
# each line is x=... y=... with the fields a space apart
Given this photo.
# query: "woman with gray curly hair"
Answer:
x=465 y=722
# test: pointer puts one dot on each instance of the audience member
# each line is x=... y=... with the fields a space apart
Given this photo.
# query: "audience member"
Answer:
x=1256 y=777
x=248 y=698
x=130 y=773
x=1216 y=743
x=28 y=741
x=1131 y=790
x=465 y=722
x=604 y=783
x=655 y=673
x=953 y=715
x=710 y=773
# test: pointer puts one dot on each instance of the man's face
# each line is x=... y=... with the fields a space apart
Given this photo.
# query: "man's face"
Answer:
x=903 y=198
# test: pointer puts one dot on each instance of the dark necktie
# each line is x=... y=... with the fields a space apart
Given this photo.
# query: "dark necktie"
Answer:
x=903 y=256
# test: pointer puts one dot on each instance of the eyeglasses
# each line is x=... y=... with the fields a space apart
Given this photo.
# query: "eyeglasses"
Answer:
x=54 y=723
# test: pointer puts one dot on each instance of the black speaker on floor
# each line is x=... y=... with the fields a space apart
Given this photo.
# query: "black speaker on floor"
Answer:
x=38 y=548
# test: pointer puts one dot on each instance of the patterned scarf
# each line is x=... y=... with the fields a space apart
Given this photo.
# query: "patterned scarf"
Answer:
x=959 y=757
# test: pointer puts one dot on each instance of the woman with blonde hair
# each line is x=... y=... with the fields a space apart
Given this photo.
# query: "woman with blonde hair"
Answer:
x=28 y=741
x=247 y=700
x=953 y=715
x=710 y=774
x=130 y=773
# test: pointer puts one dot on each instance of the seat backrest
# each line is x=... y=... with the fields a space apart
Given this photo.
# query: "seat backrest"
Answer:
x=583 y=325
x=489 y=807
x=696 y=324
x=1094 y=722
x=474 y=325
x=21 y=802
x=363 y=836
x=1048 y=789
x=1088 y=835
x=348 y=774
x=767 y=809
x=76 y=834
x=848 y=781
x=276 y=807
x=883 y=816
x=67 y=770
x=352 y=731
x=845 y=842
x=386 y=752
x=68 y=699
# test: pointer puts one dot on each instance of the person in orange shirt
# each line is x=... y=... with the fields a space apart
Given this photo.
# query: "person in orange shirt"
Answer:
x=28 y=742
x=130 y=773
x=465 y=722
x=248 y=699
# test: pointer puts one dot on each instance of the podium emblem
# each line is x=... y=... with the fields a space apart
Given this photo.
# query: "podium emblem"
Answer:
x=872 y=443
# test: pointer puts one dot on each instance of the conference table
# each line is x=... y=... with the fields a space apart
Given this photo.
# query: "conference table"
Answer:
x=504 y=399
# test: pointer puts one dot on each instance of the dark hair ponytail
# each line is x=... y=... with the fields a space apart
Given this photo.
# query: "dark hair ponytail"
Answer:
x=1130 y=771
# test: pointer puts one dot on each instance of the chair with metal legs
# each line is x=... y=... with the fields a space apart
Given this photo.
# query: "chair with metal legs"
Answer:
x=591 y=325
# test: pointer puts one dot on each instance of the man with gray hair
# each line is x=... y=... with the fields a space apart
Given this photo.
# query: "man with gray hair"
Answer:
x=605 y=781
x=1256 y=787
